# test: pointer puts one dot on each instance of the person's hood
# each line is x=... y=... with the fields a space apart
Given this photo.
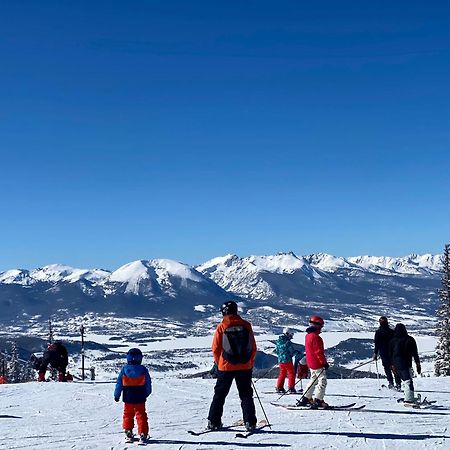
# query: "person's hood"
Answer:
x=231 y=319
x=313 y=329
x=284 y=338
x=400 y=330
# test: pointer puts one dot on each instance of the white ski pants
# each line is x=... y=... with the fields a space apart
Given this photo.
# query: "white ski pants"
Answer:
x=407 y=384
x=317 y=385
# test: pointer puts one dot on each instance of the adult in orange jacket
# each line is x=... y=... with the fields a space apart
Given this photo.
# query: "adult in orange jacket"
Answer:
x=234 y=351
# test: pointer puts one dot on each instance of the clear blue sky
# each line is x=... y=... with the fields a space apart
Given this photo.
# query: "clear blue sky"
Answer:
x=186 y=130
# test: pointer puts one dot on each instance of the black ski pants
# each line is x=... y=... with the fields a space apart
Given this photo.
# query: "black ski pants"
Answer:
x=243 y=380
x=387 y=365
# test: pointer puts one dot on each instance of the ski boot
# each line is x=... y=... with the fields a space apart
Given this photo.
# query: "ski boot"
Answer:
x=292 y=391
x=213 y=426
x=249 y=427
x=319 y=404
x=304 y=401
x=143 y=439
x=280 y=390
x=129 y=436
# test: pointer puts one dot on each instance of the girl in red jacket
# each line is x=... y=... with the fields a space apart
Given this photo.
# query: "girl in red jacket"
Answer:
x=317 y=363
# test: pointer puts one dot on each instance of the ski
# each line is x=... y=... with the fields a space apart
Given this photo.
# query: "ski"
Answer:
x=349 y=407
x=225 y=428
x=245 y=434
x=419 y=402
x=284 y=393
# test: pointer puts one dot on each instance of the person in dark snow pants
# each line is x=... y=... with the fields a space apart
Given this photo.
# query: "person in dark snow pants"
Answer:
x=402 y=351
x=382 y=337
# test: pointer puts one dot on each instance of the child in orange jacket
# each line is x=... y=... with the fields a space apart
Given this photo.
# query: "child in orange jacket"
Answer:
x=135 y=385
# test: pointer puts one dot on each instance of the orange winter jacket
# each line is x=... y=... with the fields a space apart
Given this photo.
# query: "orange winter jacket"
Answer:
x=231 y=320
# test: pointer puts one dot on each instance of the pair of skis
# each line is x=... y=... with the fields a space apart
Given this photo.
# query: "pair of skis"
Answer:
x=419 y=403
x=349 y=407
x=240 y=434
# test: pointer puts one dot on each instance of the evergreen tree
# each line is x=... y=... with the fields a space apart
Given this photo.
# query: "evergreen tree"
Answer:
x=13 y=365
x=442 y=363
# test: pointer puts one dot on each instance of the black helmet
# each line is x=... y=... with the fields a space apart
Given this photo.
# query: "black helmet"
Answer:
x=229 y=308
x=134 y=356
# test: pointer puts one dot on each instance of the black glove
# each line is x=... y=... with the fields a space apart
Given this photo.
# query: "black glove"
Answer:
x=419 y=369
x=116 y=399
x=326 y=366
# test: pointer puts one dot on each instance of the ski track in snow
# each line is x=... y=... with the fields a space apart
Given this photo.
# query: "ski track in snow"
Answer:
x=46 y=416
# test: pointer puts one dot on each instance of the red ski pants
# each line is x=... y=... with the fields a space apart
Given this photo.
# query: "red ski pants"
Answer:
x=286 y=369
x=129 y=411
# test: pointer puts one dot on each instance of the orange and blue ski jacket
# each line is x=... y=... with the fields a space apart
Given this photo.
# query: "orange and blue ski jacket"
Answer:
x=135 y=383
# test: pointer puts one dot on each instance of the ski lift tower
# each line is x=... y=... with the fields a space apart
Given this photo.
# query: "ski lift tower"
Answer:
x=82 y=331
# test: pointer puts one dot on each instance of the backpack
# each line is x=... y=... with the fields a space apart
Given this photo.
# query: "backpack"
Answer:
x=237 y=345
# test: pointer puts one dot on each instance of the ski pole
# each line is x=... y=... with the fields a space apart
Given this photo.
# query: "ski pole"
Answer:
x=310 y=386
x=259 y=400
x=360 y=365
x=284 y=393
x=378 y=374
x=266 y=372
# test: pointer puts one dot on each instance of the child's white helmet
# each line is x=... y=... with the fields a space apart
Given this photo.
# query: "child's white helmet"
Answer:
x=289 y=332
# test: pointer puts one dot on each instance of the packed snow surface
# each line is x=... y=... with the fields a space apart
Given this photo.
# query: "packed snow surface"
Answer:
x=44 y=416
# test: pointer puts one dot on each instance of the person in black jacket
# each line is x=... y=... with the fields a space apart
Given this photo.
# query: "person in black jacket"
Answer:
x=56 y=355
x=383 y=336
x=402 y=350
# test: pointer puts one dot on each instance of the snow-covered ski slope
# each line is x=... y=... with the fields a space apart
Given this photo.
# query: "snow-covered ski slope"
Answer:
x=44 y=416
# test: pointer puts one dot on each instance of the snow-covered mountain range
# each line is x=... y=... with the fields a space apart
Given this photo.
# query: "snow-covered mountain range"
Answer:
x=273 y=285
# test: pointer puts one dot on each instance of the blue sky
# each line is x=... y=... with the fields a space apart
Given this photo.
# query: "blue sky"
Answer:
x=187 y=130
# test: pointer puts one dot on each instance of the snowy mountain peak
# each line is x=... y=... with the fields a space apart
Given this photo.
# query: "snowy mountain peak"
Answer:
x=147 y=276
x=176 y=269
x=226 y=260
x=412 y=264
x=279 y=263
x=249 y=276
x=328 y=263
x=52 y=272
x=15 y=276
x=132 y=272
x=55 y=273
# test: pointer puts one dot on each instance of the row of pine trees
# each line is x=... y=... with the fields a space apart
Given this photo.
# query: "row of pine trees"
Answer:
x=442 y=362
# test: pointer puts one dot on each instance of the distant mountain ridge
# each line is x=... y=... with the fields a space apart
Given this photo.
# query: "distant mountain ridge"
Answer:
x=272 y=287
x=284 y=262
